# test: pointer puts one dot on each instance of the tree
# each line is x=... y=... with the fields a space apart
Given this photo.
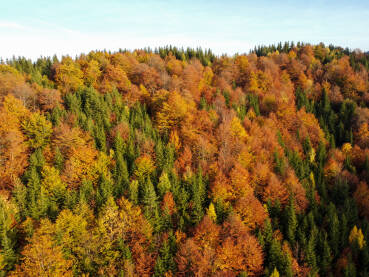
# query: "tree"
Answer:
x=240 y=251
x=145 y=166
x=275 y=273
x=91 y=72
x=81 y=166
x=133 y=191
x=211 y=212
x=251 y=211
x=68 y=75
x=150 y=199
x=37 y=130
x=13 y=147
x=76 y=239
x=356 y=236
x=9 y=218
x=114 y=77
x=42 y=257
x=49 y=99
x=291 y=222
x=165 y=262
x=164 y=184
x=326 y=257
x=361 y=196
x=121 y=175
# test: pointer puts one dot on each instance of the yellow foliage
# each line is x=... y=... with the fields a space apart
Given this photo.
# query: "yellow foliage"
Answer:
x=172 y=112
x=51 y=182
x=346 y=148
x=133 y=219
x=251 y=114
x=81 y=166
x=4 y=68
x=206 y=79
x=103 y=164
x=72 y=233
x=211 y=212
x=144 y=91
x=208 y=75
x=312 y=155
x=292 y=54
x=42 y=257
x=275 y=273
x=91 y=73
x=174 y=139
x=14 y=106
x=213 y=116
x=246 y=158
x=68 y=75
x=312 y=179
x=243 y=63
x=356 y=235
x=237 y=128
x=37 y=129
x=174 y=66
x=145 y=166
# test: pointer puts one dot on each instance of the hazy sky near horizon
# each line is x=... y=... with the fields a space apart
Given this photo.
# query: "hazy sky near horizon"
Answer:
x=48 y=27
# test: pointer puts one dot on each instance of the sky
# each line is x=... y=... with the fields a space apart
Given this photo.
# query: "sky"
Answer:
x=70 y=27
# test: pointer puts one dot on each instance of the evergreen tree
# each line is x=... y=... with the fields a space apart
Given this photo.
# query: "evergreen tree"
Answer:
x=121 y=175
x=291 y=221
x=58 y=159
x=149 y=199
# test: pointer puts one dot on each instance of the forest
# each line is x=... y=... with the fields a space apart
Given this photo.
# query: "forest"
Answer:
x=179 y=162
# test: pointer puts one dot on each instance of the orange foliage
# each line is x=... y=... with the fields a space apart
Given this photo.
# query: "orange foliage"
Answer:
x=225 y=251
x=275 y=190
x=168 y=203
x=13 y=147
x=252 y=213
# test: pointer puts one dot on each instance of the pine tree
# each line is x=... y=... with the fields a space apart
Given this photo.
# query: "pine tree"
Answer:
x=121 y=175
x=326 y=257
x=8 y=235
x=133 y=191
x=275 y=273
x=310 y=252
x=149 y=199
x=165 y=261
x=104 y=190
x=198 y=194
x=58 y=159
x=291 y=222
x=334 y=230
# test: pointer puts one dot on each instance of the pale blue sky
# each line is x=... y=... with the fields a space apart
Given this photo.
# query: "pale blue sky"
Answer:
x=47 y=27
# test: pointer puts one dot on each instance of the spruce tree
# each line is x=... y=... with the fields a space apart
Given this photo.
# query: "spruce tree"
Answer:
x=291 y=222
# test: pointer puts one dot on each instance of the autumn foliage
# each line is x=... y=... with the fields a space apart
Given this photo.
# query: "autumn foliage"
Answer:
x=180 y=163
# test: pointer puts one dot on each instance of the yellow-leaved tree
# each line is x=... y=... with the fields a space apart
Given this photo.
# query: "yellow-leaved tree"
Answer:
x=42 y=257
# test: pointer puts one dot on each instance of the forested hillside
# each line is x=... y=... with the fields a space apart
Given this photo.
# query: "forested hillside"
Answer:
x=173 y=162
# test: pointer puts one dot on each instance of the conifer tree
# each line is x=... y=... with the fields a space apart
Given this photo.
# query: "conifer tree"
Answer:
x=58 y=159
x=291 y=222
x=149 y=199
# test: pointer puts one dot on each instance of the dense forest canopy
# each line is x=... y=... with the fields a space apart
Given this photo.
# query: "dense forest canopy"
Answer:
x=174 y=162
